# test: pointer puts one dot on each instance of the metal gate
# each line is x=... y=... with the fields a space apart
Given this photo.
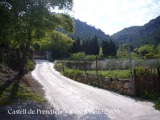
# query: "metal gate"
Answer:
x=147 y=81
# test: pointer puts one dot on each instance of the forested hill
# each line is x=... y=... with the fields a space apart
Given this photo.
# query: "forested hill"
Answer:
x=84 y=31
x=138 y=35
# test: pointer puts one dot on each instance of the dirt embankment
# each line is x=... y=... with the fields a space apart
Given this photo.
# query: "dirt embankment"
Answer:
x=22 y=108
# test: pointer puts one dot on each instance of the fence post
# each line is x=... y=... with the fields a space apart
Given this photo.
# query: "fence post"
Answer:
x=96 y=66
x=85 y=66
x=130 y=64
x=147 y=80
x=62 y=66
x=135 y=81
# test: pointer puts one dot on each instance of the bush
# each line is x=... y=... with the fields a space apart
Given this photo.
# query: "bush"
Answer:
x=157 y=105
x=29 y=66
x=91 y=57
x=78 y=56
x=149 y=56
x=58 y=65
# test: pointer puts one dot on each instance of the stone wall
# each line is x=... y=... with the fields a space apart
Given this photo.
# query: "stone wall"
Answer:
x=123 y=86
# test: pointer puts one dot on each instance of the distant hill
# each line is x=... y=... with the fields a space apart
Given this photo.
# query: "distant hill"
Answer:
x=84 y=31
x=139 y=35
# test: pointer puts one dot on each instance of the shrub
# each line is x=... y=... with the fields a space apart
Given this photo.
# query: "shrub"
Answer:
x=58 y=65
x=29 y=66
x=78 y=56
x=91 y=57
x=157 y=105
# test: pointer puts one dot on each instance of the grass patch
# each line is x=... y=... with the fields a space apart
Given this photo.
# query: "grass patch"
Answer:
x=112 y=73
x=18 y=91
x=103 y=73
x=107 y=73
x=72 y=73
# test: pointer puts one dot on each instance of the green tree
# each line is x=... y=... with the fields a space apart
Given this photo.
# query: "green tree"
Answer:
x=122 y=51
x=146 y=51
x=30 y=20
x=158 y=49
x=108 y=48
x=60 y=44
x=77 y=47
x=95 y=46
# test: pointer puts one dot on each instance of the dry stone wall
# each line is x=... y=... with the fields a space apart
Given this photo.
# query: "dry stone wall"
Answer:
x=123 y=86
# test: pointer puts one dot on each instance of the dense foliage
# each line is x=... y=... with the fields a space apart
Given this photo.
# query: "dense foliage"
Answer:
x=24 y=21
x=109 y=48
x=59 y=44
x=89 y=46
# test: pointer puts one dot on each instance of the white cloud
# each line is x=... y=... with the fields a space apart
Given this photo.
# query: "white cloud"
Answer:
x=114 y=15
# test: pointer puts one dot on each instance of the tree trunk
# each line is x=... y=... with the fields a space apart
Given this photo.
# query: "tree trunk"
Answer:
x=22 y=56
x=20 y=62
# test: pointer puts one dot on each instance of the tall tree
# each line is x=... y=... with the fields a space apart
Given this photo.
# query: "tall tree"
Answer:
x=108 y=48
x=105 y=48
x=95 y=46
x=31 y=20
x=77 y=47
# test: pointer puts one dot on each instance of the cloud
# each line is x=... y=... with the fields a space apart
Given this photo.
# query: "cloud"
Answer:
x=114 y=15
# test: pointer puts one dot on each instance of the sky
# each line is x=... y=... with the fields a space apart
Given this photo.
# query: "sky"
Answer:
x=112 y=16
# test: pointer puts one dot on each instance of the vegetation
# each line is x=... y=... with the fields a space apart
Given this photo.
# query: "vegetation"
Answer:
x=18 y=91
x=22 y=23
x=148 y=51
x=107 y=73
x=109 y=48
x=59 y=44
x=112 y=73
x=140 y=35
x=78 y=56
x=89 y=46
x=84 y=31
x=157 y=105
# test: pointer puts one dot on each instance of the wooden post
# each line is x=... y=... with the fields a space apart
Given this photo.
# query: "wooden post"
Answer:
x=147 y=80
x=85 y=66
x=135 y=80
x=96 y=66
x=130 y=64
x=62 y=66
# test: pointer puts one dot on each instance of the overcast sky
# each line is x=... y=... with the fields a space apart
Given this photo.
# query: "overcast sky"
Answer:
x=112 y=16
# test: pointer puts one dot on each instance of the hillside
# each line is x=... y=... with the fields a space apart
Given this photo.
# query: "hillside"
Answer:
x=138 y=35
x=84 y=31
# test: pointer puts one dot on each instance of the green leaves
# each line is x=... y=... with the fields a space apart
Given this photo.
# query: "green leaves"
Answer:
x=58 y=43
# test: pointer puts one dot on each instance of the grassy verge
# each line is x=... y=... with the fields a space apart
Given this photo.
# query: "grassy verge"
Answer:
x=112 y=73
x=12 y=92
x=106 y=73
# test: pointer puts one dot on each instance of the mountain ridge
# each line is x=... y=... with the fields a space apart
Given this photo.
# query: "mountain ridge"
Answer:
x=86 y=31
x=139 y=35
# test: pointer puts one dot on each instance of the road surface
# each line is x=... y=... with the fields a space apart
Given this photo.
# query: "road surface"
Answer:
x=76 y=101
